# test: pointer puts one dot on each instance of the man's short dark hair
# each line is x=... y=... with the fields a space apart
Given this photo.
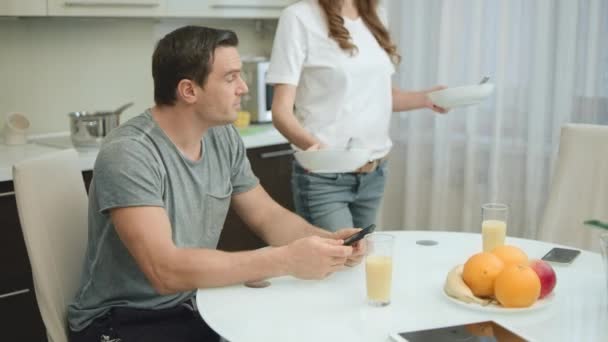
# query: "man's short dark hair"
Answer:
x=186 y=53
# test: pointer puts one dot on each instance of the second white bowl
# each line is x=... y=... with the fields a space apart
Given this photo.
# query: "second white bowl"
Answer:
x=461 y=96
x=333 y=160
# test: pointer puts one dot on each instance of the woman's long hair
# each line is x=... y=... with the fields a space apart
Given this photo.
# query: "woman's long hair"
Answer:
x=369 y=14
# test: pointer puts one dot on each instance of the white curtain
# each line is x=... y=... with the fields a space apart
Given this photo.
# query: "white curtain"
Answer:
x=549 y=62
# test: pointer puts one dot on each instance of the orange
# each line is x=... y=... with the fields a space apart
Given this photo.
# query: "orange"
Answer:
x=480 y=271
x=510 y=255
x=517 y=286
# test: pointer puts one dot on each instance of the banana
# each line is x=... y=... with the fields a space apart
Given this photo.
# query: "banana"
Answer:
x=456 y=287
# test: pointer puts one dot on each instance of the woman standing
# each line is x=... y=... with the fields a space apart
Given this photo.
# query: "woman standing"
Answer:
x=332 y=60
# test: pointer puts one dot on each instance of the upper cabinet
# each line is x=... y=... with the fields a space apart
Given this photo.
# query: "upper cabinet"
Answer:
x=23 y=7
x=227 y=8
x=256 y=9
x=107 y=8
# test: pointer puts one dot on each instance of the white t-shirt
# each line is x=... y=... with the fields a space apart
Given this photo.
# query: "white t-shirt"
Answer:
x=338 y=96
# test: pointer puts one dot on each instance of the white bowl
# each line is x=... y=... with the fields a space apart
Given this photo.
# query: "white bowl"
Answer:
x=461 y=96
x=332 y=160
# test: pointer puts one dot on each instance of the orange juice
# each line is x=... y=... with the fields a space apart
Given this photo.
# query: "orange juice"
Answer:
x=378 y=271
x=493 y=234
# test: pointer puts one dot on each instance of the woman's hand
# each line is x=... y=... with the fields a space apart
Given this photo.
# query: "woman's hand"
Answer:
x=412 y=100
x=427 y=103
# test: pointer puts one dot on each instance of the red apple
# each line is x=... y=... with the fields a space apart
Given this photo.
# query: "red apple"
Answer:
x=547 y=276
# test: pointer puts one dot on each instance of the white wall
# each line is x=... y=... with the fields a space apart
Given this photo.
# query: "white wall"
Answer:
x=52 y=66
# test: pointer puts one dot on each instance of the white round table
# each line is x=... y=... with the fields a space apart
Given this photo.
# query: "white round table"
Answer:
x=335 y=309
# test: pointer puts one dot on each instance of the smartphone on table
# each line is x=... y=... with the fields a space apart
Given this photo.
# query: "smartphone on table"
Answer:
x=349 y=241
x=561 y=255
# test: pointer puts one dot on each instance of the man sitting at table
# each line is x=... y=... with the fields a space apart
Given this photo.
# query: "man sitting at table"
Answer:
x=162 y=185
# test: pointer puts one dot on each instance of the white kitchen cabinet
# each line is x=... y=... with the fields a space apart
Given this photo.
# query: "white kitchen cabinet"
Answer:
x=259 y=9
x=23 y=7
x=108 y=8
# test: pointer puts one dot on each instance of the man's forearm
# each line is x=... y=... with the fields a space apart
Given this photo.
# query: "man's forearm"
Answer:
x=191 y=268
x=287 y=226
x=226 y=268
x=282 y=226
x=269 y=220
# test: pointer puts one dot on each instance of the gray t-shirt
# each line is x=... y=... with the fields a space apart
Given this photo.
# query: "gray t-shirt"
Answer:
x=138 y=165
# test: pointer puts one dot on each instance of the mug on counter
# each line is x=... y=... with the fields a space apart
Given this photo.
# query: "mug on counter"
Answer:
x=15 y=128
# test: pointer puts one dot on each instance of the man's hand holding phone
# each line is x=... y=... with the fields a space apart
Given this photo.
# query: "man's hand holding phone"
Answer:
x=354 y=237
x=315 y=257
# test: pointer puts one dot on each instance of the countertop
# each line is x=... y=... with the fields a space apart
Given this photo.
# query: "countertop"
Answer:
x=253 y=136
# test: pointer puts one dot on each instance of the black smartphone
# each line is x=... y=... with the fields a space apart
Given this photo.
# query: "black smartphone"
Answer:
x=561 y=255
x=359 y=235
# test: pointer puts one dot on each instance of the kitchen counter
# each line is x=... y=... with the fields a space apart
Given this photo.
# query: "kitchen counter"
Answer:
x=253 y=136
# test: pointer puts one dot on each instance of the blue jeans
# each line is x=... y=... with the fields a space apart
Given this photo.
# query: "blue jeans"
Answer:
x=338 y=200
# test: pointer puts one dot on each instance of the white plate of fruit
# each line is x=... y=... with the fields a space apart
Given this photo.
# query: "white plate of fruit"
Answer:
x=503 y=280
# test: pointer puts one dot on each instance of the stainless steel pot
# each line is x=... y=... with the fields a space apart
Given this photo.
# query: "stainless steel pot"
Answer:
x=87 y=129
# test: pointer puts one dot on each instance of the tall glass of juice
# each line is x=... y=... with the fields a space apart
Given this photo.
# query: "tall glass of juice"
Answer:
x=379 y=268
x=493 y=225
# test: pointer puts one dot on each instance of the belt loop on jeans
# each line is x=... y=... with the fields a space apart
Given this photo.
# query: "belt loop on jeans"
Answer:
x=371 y=165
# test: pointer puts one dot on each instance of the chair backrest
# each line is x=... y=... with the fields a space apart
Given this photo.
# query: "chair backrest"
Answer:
x=52 y=204
x=579 y=188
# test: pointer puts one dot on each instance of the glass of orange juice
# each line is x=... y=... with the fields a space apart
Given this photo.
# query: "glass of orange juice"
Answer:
x=493 y=225
x=379 y=268
x=604 y=246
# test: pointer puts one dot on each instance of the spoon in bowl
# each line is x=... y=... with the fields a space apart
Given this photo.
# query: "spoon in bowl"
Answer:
x=349 y=144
